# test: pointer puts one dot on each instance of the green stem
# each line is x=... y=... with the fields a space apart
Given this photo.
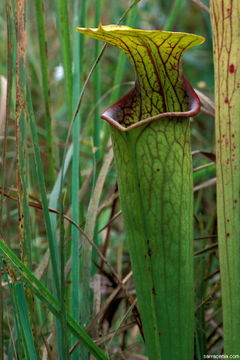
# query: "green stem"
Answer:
x=45 y=83
x=78 y=48
x=97 y=88
x=64 y=38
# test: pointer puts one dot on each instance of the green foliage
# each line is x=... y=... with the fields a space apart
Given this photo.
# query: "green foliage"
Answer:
x=68 y=187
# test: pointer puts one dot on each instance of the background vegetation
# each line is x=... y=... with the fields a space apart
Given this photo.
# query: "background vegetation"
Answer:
x=54 y=250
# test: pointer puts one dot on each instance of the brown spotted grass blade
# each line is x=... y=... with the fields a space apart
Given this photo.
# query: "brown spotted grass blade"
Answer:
x=225 y=17
x=24 y=231
x=21 y=151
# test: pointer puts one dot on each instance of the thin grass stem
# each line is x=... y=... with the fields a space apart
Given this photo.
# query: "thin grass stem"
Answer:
x=39 y=5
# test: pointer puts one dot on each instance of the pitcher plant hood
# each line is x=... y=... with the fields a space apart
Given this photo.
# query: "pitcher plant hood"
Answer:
x=161 y=89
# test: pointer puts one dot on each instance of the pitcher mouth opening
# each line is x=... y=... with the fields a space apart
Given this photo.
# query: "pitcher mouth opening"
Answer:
x=194 y=103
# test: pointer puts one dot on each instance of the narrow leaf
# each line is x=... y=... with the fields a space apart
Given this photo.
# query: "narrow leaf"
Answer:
x=226 y=34
x=21 y=305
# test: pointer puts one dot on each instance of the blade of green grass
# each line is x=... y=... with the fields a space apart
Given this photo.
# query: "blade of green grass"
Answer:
x=97 y=89
x=61 y=7
x=12 y=51
x=11 y=44
x=45 y=83
x=78 y=53
x=97 y=125
x=204 y=174
x=40 y=175
x=22 y=310
x=53 y=203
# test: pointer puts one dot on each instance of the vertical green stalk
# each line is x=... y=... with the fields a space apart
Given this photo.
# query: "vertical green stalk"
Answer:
x=11 y=40
x=97 y=124
x=45 y=83
x=41 y=182
x=97 y=88
x=22 y=311
x=78 y=49
x=150 y=132
x=225 y=18
x=64 y=38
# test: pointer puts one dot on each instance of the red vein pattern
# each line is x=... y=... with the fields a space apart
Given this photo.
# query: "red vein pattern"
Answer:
x=225 y=17
x=153 y=161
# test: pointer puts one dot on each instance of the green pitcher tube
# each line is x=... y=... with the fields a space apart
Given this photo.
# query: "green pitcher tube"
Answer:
x=150 y=131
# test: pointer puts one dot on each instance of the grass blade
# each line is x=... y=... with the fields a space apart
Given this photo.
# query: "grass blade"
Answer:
x=22 y=311
x=40 y=175
x=64 y=38
x=45 y=83
x=78 y=50
x=97 y=89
